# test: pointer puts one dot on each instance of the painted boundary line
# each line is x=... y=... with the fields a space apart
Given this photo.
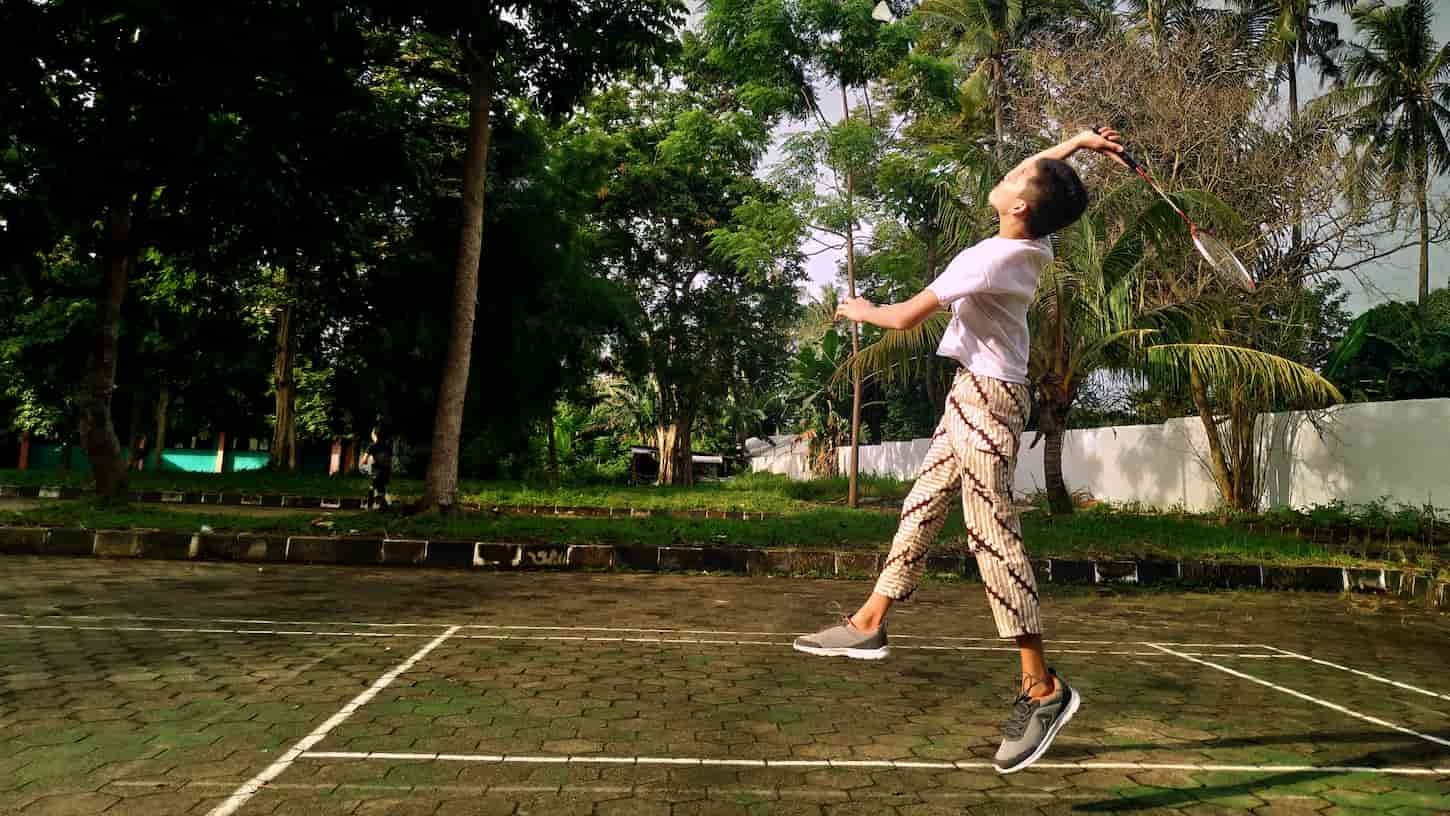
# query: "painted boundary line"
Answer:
x=595 y=639
x=1301 y=695
x=521 y=627
x=1375 y=677
x=531 y=628
x=711 y=792
x=886 y=764
x=251 y=786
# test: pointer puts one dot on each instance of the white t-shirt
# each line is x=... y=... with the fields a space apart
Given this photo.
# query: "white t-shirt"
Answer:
x=990 y=287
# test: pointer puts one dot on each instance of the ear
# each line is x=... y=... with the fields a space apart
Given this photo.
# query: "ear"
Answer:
x=1019 y=208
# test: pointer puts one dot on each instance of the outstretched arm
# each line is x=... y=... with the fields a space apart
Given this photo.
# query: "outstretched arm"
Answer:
x=1104 y=140
x=903 y=315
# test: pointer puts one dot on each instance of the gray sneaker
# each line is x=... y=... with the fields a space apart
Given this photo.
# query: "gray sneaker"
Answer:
x=845 y=640
x=1032 y=726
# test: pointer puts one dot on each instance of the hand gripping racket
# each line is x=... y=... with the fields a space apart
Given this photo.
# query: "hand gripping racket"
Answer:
x=1219 y=257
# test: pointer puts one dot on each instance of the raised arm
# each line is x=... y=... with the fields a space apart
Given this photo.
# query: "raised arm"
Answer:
x=1104 y=140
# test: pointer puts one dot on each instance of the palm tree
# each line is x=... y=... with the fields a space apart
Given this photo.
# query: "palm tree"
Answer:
x=986 y=33
x=1396 y=96
x=1293 y=36
x=1084 y=312
x=1161 y=19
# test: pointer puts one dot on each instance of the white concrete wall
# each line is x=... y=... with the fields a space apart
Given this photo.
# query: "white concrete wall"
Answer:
x=792 y=459
x=1358 y=453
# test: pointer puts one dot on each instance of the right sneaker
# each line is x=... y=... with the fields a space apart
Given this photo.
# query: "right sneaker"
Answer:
x=1033 y=725
x=845 y=640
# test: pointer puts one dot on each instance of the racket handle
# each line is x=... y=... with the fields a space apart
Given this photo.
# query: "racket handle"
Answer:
x=1122 y=154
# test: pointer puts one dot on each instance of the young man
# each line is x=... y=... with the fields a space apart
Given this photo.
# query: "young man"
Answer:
x=380 y=453
x=989 y=288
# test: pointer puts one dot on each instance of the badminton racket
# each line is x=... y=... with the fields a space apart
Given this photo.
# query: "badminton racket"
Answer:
x=1220 y=258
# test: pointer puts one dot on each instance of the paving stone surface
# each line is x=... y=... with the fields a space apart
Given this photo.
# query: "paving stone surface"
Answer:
x=161 y=687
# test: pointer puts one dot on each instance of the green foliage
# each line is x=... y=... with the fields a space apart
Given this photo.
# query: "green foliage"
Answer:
x=1395 y=107
x=822 y=404
x=701 y=246
x=1395 y=351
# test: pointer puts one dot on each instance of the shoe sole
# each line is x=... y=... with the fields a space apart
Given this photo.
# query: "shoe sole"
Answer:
x=1047 y=740
x=858 y=654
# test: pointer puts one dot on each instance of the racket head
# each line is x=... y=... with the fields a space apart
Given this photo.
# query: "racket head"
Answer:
x=1229 y=268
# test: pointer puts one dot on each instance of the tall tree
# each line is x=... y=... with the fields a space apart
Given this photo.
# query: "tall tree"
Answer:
x=778 y=54
x=550 y=54
x=679 y=183
x=1293 y=35
x=124 y=124
x=1397 y=101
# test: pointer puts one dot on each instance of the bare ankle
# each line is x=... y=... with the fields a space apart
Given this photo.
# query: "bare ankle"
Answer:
x=1039 y=687
x=863 y=623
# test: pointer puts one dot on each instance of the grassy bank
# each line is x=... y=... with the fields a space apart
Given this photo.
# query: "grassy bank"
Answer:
x=752 y=492
x=1090 y=534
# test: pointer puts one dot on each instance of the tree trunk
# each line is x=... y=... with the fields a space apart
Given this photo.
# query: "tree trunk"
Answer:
x=163 y=403
x=553 y=453
x=1296 y=239
x=1221 y=476
x=998 y=129
x=97 y=430
x=676 y=465
x=1242 y=421
x=134 y=454
x=1053 y=419
x=852 y=495
x=934 y=392
x=1422 y=182
x=441 y=487
x=284 y=432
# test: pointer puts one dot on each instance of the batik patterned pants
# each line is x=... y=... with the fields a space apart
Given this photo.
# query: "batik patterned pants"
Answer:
x=974 y=451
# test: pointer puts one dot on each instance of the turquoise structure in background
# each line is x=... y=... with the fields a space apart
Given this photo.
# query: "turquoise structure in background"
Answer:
x=47 y=456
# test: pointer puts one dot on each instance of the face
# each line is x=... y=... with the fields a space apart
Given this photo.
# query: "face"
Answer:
x=1009 y=196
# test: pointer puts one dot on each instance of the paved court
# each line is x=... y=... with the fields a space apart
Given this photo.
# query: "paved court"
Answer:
x=209 y=688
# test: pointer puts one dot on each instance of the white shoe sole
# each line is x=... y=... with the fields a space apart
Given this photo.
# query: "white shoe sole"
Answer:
x=1047 y=740
x=859 y=654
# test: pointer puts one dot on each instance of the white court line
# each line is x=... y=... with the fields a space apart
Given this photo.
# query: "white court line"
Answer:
x=607 y=629
x=1301 y=695
x=584 y=639
x=202 y=630
x=770 y=794
x=889 y=764
x=1375 y=677
x=251 y=786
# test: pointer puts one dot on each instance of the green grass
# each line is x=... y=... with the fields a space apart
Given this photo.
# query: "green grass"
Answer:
x=1099 y=534
x=753 y=492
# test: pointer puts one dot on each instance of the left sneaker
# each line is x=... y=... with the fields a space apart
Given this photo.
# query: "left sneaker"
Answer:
x=845 y=640
x=1032 y=726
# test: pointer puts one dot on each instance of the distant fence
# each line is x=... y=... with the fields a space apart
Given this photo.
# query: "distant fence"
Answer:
x=1358 y=454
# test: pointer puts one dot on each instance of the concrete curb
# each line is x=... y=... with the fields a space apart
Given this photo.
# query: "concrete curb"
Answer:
x=504 y=556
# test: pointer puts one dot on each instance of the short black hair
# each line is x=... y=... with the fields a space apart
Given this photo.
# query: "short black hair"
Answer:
x=1055 y=197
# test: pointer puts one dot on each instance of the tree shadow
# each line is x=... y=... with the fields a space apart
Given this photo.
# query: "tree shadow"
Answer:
x=1414 y=751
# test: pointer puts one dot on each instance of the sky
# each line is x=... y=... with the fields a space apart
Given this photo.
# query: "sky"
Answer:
x=1394 y=277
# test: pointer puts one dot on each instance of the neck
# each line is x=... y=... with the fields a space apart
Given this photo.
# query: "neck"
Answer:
x=1014 y=228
